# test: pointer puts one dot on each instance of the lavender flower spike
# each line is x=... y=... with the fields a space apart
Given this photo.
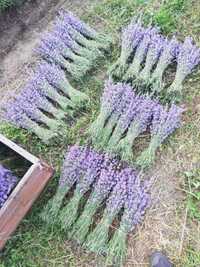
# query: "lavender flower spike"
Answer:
x=93 y=163
x=7 y=183
x=153 y=54
x=17 y=114
x=140 y=53
x=102 y=188
x=164 y=123
x=138 y=125
x=131 y=37
x=121 y=107
x=124 y=122
x=55 y=76
x=72 y=170
x=188 y=58
x=137 y=201
x=103 y=40
x=168 y=55
x=98 y=239
x=109 y=102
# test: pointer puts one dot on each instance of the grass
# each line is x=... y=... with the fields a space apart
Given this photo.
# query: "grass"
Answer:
x=33 y=245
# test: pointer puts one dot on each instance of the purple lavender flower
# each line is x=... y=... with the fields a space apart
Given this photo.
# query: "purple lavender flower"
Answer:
x=7 y=183
x=102 y=188
x=55 y=76
x=187 y=59
x=131 y=37
x=137 y=201
x=73 y=169
x=97 y=240
x=85 y=29
x=109 y=102
x=122 y=105
x=140 y=53
x=54 y=50
x=124 y=122
x=153 y=54
x=164 y=123
x=93 y=164
x=169 y=54
x=139 y=124
x=22 y=114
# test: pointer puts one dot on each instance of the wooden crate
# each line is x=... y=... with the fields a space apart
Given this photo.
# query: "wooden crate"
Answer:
x=25 y=193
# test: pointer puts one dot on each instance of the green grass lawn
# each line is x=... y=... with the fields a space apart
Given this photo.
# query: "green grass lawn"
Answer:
x=33 y=245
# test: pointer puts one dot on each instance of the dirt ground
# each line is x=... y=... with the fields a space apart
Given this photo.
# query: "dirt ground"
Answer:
x=165 y=227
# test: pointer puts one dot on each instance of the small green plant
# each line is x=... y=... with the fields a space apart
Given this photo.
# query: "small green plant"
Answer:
x=168 y=14
x=193 y=193
x=192 y=258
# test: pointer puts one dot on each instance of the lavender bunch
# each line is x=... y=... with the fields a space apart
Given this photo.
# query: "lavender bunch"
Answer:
x=102 y=188
x=54 y=50
x=97 y=240
x=139 y=124
x=7 y=183
x=169 y=54
x=66 y=33
x=140 y=54
x=80 y=33
x=121 y=106
x=187 y=59
x=73 y=169
x=41 y=84
x=109 y=102
x=93 y=163
x=24 y=115
x=33 y=105
x=102 y=40
x=55 y=76
x=164 y=123
x=153 y=54
x=35 y=97
x=124 y=123
x=136 y=203
x=131 y=37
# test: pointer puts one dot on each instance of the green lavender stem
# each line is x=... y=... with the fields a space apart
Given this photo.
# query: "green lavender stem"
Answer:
x=52 y=209
x=81 y=227
x=69 y=213
x=147 y=157
x=116 y=252
x=97 y=240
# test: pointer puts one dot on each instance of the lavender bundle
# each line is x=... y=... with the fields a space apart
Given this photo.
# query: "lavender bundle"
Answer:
x=73 y=45
x=22 y=114
x=138 y=125
x=168 y=56
x=55 y=77
x=124 y=123
x=102 y=41
x=136 y=202
x=109 y=102
x=155 y=49
x=187 y=59
x=122 y=104
x=102 y=188
x=97 y=240
x=7 y=183
x=164 y=123
x=140 y=53
x=55 y=51
x=73 y=169
x=131 y=37
x=92 y=165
